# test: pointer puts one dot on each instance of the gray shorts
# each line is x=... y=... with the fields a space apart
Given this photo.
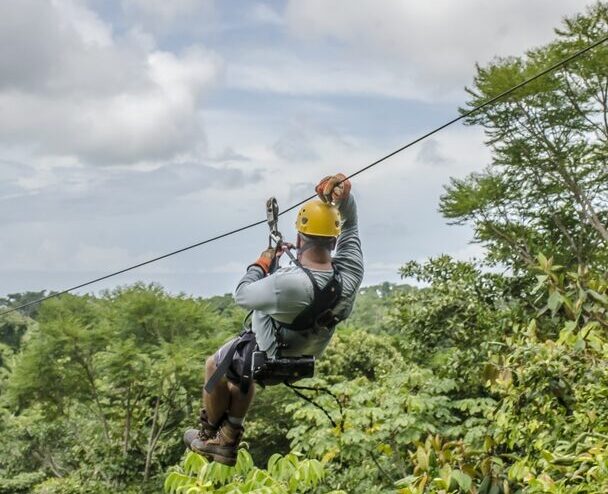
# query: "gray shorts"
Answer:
x=235 y=371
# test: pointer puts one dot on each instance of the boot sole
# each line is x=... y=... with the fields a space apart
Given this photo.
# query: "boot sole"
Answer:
x=207 y=456
x=224 y=460
x=219 y=458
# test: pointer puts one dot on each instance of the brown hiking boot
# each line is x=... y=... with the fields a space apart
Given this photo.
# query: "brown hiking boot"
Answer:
x=223 y=448
x=206 y=430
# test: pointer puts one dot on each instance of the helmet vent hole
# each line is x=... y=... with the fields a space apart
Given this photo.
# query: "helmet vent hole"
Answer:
x=304 y=221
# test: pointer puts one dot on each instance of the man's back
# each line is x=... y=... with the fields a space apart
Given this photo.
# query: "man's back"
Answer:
x=283 y=295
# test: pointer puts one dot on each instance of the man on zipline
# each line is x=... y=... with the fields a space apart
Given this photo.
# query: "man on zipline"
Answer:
x=294 y=312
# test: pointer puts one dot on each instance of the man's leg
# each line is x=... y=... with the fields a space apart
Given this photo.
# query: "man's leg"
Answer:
x=215 y=406
x=217 y=402
x=223 y=447
x=239 y=403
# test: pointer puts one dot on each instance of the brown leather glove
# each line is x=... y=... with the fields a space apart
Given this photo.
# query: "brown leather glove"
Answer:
x=333 y=188
x=266 y=259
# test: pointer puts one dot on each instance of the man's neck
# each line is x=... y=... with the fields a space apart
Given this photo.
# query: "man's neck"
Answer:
x=313 y=259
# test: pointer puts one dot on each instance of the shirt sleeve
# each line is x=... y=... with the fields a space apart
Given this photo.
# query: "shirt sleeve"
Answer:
x=256 y=292
x=349 y=256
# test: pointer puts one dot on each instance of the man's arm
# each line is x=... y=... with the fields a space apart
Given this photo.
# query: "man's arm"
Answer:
x=255 y=291
x=349 y=256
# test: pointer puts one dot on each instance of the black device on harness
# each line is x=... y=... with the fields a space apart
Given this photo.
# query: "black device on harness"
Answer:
x=268 y=371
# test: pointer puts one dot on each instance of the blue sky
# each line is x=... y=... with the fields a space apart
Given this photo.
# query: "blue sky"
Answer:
x=132 y=128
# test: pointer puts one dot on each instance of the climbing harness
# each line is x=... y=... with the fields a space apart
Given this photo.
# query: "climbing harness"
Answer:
x=318 y=316
x=289 y=369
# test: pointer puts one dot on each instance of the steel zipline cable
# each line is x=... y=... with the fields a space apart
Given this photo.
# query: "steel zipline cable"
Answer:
x=462 y=116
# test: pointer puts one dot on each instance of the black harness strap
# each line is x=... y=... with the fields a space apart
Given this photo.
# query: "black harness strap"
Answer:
x=319 y=312
x=247 y=376
x=247 y=341
x=222 y=367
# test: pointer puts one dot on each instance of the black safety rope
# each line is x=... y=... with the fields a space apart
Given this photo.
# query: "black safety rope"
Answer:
x=319 y=389
x=361 y=170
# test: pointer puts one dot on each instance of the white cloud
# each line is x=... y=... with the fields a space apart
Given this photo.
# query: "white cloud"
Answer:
x=469 y=252
x=265 y=14
x=70 y=87
x=49 y=256
x=290 y=73
x=231 y=267
x=430 y=152
x=85 y=22
x=382 y=269
x=79 y=87
x=70 y=193
x=303 y=140
x=167 y=16
x=420 y=48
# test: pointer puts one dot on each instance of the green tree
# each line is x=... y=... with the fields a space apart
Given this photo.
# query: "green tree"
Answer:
x=17 y=299
x=372 y=306
x=546 y=189
x=458 y=319
x=119 y=376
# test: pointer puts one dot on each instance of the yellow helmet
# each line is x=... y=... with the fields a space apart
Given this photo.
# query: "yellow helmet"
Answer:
x=319 y=219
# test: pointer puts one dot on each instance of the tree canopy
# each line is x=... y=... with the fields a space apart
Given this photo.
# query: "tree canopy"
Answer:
x=546 y=189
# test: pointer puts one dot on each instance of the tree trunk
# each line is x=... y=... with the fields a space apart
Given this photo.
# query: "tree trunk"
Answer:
x=91 y=379
x=151 y=440
x=585 y=203
x=127 y=433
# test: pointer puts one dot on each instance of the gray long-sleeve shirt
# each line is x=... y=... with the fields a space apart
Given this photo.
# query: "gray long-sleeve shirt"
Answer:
x=288 y=291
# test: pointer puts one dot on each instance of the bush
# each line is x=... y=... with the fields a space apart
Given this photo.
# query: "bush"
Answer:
x=287 y=474
x=22 y=482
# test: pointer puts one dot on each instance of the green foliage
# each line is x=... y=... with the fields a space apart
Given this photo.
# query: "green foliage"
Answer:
x=13 y=328
x=354 y=353
x=378 y=421
x=546 y=433
x=104 y=386
x=70 y=485
x=522 y=409
x=453 y=325
x=439 y=466
x=372 y=306
x=21 y=483
x=284 y=475
x=553 y=391
x=18 y=299
x=267 y=423
x=547 y=185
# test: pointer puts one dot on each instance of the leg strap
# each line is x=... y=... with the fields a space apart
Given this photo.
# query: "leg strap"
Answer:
x=247 y=376
x=244 y=344
x=222 y=367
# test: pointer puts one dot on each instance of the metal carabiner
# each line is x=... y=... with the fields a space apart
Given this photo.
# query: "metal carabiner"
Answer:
x=272 y=217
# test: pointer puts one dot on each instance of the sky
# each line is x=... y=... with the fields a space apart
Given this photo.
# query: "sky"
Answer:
x=131 y=128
